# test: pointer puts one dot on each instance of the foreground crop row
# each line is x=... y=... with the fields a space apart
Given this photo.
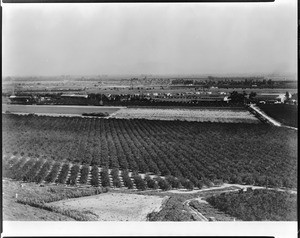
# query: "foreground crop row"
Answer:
x=39 y=170
x=201 y=152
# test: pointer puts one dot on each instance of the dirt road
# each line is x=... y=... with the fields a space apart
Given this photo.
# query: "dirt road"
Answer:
x=193 y=211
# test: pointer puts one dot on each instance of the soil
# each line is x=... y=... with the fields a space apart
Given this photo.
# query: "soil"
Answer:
x=115 y=206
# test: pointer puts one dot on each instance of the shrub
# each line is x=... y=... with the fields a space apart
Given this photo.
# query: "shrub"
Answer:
x=207 y=182
x=127 y=181
x=22 y=171
x=6 y=166
x=115 y=176
x=84 y=173
x=13 y=171
x=74 y=173
x=199 y=184
x=53 y=173
x=218 y=182
x=257 y=205
x=95 y=176
x=163 y=184
x=139 y=182
x=105 y=177
x=33 y=171
x=150 y=182
x=174 y=182
x=42 y=173
x=186 y=183
x=62 y=177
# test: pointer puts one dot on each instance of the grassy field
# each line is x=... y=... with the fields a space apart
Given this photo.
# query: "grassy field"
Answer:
x=201 y=115
x=201 y=152
x=283 y=113
x=30 y=202
x=48 y=109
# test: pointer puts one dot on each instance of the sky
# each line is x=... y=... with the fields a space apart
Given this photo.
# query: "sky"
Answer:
x=149 y=38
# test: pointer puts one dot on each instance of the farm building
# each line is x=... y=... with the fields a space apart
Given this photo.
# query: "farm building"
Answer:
x=74 y=96
x=194 y=97
x=21 y=99
x=271 y=98
x=73 y=99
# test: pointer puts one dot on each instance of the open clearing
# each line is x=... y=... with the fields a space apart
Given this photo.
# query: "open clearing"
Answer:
x=54 y=109
x=115 y=206
x=200 y=115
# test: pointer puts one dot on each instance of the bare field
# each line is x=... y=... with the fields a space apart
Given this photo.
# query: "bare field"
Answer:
x=115 y=206
x=200 y=115
x=55 y=109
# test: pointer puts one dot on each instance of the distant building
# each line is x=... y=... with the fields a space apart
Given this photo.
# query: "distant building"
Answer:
x=271 y=98
x=74 y=96
x=21 y=99
x=194 y=97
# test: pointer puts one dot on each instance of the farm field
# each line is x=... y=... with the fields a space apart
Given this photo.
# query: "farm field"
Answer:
x=257 y=205
x=30 y=202
x=14 y=211
x=201 y=152
x=115 y=206
x=200 y=115
x=49 y=109
x=283 y=113
x=48 y=172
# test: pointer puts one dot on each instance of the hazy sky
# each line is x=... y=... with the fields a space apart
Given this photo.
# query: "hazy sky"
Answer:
x=202 y=38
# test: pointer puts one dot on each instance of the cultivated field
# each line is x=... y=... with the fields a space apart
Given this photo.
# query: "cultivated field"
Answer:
x=284 y=113
x=234 y=152
x=115 y=206
x=49 y=109
x=200 y=115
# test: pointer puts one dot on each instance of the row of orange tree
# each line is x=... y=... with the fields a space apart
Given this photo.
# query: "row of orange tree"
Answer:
x=201 y=152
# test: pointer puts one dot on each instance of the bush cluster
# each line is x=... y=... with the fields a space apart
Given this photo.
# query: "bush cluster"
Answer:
x=84 y=173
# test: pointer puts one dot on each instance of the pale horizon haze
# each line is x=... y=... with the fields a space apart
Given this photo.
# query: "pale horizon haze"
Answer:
x=156 y=38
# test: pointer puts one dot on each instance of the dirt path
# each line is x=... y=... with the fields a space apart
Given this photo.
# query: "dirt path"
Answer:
x=193 y=211
x=270 y=119
x=227 y=185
